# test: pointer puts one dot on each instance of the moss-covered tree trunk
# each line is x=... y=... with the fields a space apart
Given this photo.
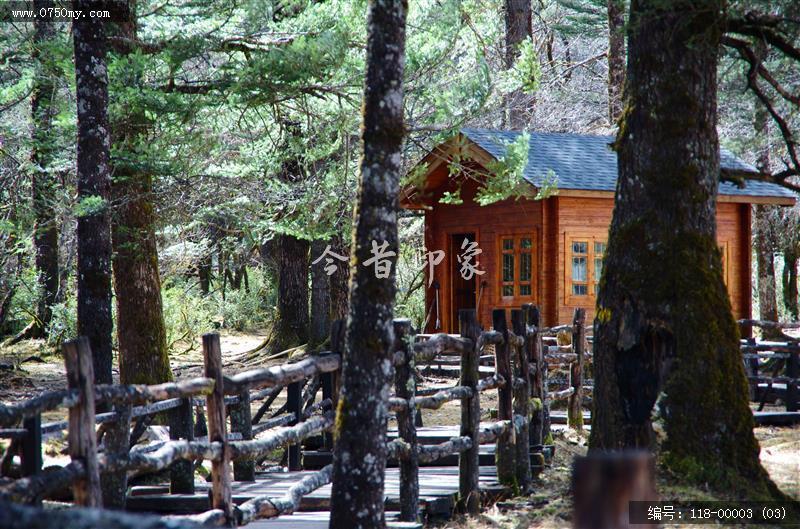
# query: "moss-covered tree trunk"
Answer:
x=43 y=181
x=94 y=181
x=319 y=328
x=359 y=457
x=616 y=57
x=291 y=324
x=141 y=333
x=664 y=333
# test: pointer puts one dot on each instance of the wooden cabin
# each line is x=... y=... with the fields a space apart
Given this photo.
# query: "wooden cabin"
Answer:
x=547 y=251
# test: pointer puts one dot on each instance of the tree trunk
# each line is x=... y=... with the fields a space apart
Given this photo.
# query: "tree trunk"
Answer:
x=664 y=332
x=204 y=274
x=94 y=234
x=339 y=281
x=518 y=29
x=359 y=458
x=141 y=333
x=291 y=324
x=320 y=296
x=43 y=184
x=616 y=58
x=790 y=301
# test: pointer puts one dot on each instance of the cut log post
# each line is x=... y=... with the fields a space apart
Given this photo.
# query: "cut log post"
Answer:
x=294 y=404
x=31 y=443
x=751 y=369
x=82 y=438
x=793 y=372
x=469 y=499
x=215 y=408
x=117 y=445
x=504 y=455
x=574 y=410
x=241 y=422
x=330 y=380
x=522 y=396
x=533 y=339
x=181 y=473
x=404 y=387
x=603 y=484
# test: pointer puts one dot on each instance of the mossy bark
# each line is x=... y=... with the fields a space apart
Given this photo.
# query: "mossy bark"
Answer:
x=666 y=343
x=43 y=180
x=93 y=174
x=359 y=457
x=141 y=332
x=616 y=57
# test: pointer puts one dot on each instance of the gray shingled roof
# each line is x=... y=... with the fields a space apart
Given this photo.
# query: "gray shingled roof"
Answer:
x=587 y=162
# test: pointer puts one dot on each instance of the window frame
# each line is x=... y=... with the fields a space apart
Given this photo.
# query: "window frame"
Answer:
x=517 y=237
x=591 y=281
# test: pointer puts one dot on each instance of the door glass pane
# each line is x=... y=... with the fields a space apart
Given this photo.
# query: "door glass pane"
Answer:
x=508 y=267
x=508 y=290
x=579 y=268
x=508 y=244
x=525 y=243
x=524 y=290
x=599 y=248
x=524 y=267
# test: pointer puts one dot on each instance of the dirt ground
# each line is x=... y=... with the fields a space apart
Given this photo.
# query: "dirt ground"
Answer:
x=29 y=368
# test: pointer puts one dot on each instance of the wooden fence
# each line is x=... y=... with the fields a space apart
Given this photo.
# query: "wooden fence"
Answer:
x=773 y=367
x=99 y=477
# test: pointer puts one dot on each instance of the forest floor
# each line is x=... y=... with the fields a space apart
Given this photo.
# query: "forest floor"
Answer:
x=30 y=368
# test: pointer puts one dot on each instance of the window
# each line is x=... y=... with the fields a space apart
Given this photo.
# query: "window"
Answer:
x=584 y=267
x=517 y=266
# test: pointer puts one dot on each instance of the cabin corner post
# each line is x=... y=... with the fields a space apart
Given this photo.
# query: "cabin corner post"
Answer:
x=117 y=446
x=82 y=438
x=469 y=499
x=242 y=422
x=504 y=457
x=522 y=396
x=574 y=411
x=181 y=426
x=404 y=386
x=215 y=406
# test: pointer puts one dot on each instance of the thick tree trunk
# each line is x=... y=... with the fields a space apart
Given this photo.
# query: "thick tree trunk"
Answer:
x=141 y=333
x=339 y=280
x=320 y=296
x=94 y=233
x=616 y=58
x=664 y=332
x=518 y=29
x=790 y=295
x=291 y=325
x=43 y=184
x=359 y=458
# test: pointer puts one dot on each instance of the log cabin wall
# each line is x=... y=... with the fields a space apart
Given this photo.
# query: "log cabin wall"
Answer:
x=554 y=224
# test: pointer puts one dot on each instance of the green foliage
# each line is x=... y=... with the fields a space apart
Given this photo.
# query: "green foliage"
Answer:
x=90 y=205
x=505 y=179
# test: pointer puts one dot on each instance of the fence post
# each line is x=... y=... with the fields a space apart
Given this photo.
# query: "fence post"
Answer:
x=533 y=342
x=330 y=380
x=468 y=470
x=82 y=438
x=181 y=426
x=504 y=456
x=31 y=446
x=294 y=404
x=522 y=395
x=215 y=409
x=751 y=369
x=793 y=372
x=242 y=422
x=117 y=446
x=404 y=387
x=574 y=411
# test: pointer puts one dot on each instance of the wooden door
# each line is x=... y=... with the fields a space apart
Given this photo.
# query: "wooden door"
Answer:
x=463 y=291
